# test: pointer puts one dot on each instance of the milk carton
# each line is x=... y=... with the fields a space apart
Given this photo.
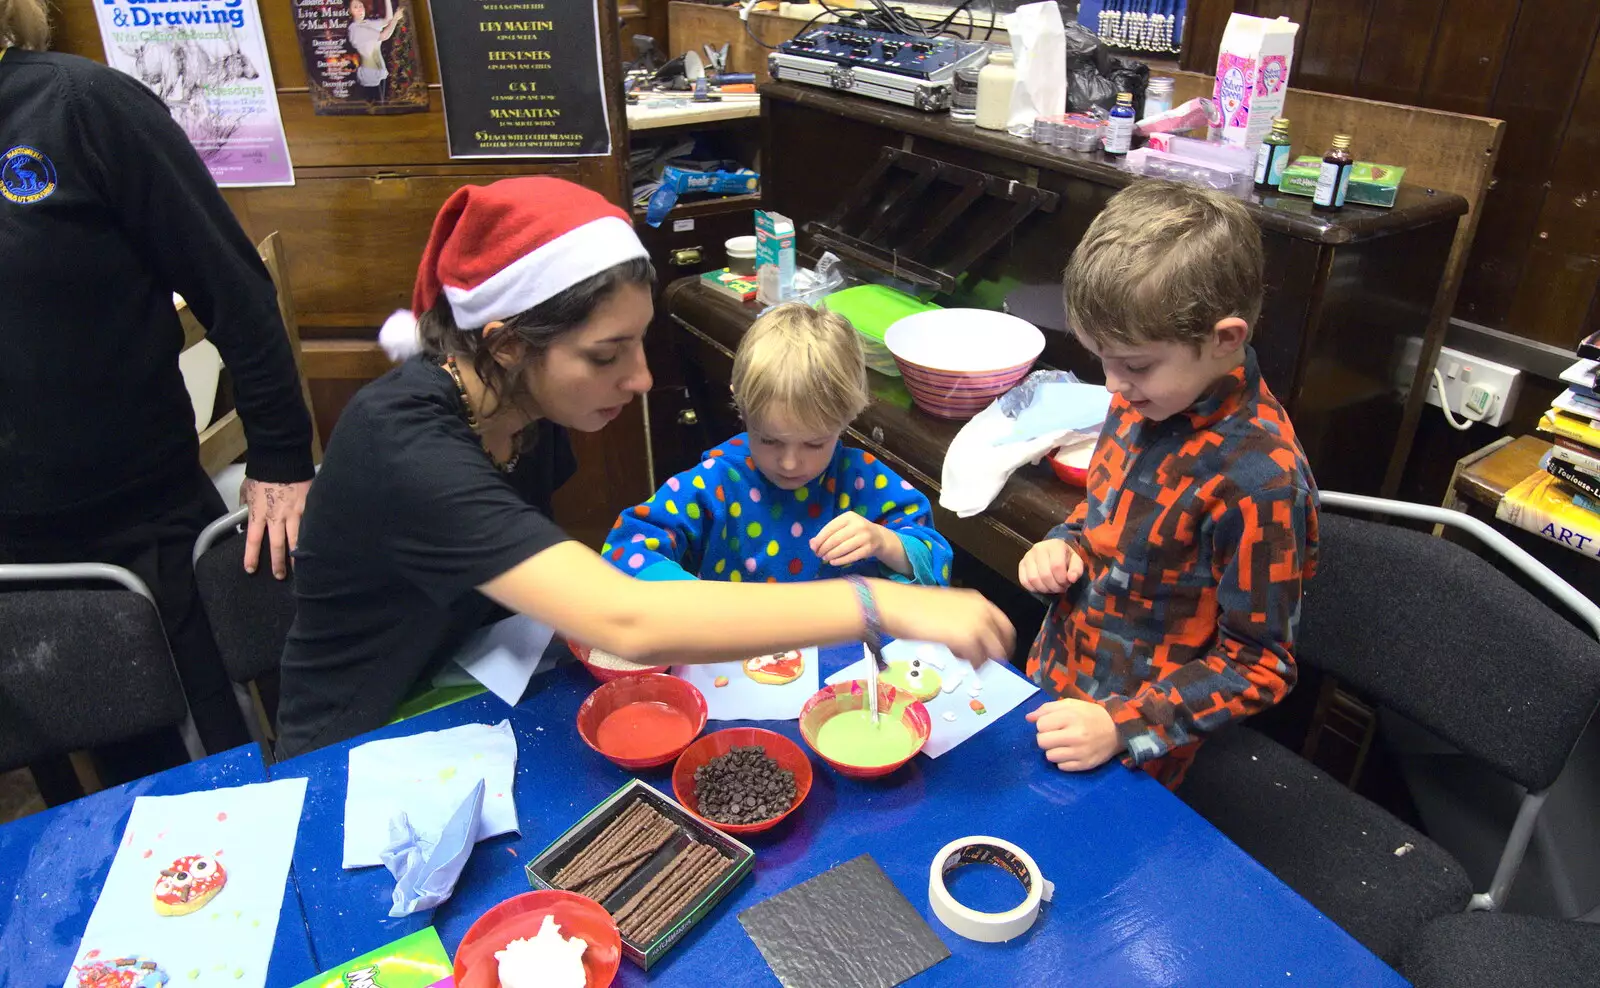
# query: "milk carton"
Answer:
x=1253 y=76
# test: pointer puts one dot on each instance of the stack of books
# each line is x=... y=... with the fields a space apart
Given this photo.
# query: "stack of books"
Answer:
x=1562 y=501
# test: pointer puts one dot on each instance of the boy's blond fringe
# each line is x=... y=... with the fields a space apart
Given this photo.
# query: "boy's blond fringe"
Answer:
x=803 y=363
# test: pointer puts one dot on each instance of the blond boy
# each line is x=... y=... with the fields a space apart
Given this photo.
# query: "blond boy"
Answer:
x=787 y=501
x=1180 y=575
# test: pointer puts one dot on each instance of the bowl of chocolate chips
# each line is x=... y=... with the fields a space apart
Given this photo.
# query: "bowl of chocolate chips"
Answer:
x=742 y=780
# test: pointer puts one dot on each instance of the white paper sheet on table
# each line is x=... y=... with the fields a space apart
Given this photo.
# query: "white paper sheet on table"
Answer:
x=504 y=657
x=742 y=698
x=428 y=775
x=250 y=831
x=1003 y=689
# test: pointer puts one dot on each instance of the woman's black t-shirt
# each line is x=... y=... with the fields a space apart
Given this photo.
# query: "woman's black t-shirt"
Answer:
x=405 y=520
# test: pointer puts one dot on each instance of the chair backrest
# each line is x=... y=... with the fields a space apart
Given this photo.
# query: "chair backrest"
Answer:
x=81 y=668
x=1428 y=628
x=223 y=441
x=250 y=613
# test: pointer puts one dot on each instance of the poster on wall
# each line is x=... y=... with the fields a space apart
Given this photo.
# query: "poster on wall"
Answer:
x=207 y=61
x=361 y=56
x=522 y=78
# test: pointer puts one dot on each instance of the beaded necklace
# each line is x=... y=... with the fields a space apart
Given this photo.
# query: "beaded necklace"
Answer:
x=472 y=422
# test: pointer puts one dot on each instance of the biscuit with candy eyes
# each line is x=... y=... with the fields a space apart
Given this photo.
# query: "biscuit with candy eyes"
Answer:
x=916 y=677
x=188 y=884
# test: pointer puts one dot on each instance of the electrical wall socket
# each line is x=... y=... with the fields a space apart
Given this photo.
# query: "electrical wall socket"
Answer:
x=1462 y=372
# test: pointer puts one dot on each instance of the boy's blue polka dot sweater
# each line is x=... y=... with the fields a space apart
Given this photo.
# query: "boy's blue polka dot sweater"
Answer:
x=723 y=520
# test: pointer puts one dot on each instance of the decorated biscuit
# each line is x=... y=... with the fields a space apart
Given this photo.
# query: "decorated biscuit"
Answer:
x=776 y=670
x=188 y=884
x=915 y=677
x=120 y=972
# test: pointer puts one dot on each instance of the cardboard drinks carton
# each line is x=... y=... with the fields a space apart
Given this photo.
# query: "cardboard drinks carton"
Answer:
x=1253 y=76
x=774 y=257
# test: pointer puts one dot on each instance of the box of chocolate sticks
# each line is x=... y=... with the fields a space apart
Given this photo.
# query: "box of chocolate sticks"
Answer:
x=654 y=867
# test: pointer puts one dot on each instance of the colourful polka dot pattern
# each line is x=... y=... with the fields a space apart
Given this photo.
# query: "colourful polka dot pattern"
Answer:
x=723 y=520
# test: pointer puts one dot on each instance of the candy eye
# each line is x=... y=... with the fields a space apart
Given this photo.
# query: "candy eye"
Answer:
x=203 y=867
x=914 y=674
x=916 y=663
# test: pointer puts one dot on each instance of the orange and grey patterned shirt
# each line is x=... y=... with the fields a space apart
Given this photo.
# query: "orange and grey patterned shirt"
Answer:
x=1197 y=536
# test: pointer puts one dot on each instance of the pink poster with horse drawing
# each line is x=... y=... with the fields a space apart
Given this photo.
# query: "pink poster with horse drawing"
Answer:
x=207 y=60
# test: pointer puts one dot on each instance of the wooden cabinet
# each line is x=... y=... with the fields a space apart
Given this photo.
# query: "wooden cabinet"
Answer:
x=1343 y=294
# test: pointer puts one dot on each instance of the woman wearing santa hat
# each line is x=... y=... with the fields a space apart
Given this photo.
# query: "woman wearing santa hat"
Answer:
x=433 y=504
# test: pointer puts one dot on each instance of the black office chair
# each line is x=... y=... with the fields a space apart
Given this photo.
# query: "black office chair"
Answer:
x=250 y=614
x=1424 y=627
x=1498 y=950
x=82 y=667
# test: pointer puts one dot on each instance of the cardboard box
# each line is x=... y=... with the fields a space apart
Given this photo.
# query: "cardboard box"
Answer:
x=774 y=257
x=1372 y=184
x=738 y=286
x=552 y=859
x=1375 y=185
x=1253 y=76
x=1300 y=178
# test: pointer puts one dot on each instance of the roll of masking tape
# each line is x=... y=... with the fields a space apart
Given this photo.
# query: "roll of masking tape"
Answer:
x=981 y=926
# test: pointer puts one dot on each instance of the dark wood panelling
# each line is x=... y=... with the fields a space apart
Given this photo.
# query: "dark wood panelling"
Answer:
x=1336 y=35
x=1557 y=290
x=1202 y=33
x=1469 y=51
x=1544 y=66
x=1295 y=10
x=1394 y=60
x=1535 y=263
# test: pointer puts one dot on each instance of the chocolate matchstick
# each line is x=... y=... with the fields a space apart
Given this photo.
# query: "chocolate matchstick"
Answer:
x=667 y=873
x=591 y=854
x=668 y=902
x=611 y=877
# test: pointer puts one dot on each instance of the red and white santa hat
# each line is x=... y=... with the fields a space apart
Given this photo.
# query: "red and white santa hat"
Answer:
x=499 y=250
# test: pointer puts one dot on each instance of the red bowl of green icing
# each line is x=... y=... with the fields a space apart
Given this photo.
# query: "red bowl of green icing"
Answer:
x=837 y=724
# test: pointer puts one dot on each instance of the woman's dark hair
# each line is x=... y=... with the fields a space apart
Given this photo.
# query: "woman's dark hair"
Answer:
x=537 y=329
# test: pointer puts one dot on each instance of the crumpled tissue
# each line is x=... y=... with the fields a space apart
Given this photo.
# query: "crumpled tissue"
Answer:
x=425 y=866
x=426 y=776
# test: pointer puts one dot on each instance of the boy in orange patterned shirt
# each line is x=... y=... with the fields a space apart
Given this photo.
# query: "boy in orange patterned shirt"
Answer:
x=1180 y=575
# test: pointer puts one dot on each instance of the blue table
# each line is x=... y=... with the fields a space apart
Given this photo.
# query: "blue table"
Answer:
x=1147 y=893
x=53 y=865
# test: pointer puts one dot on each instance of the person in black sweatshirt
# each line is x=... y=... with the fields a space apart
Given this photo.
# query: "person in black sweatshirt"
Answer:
x=105 y=212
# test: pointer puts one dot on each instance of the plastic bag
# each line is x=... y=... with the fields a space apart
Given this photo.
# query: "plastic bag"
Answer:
x=1095 y=76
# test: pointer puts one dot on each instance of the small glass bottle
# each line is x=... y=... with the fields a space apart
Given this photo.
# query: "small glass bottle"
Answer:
x=1119 y=129
x=1335 y=176
x=964 y=94
x=1272 y=157
x=995 y=83
x=1158 y=95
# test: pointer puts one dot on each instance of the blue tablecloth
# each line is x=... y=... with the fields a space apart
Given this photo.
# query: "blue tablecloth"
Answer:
x=53 y=864
x=1146 y=892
